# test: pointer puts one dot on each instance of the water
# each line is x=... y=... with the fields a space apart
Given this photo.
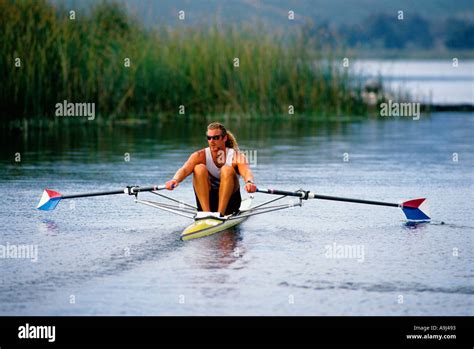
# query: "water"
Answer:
x=439 y=81
x=109 y=256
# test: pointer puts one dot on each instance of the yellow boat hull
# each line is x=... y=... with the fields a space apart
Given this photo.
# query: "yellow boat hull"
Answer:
x=209 y=226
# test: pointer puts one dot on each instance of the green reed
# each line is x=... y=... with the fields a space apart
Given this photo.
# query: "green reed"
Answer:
x=82 y=60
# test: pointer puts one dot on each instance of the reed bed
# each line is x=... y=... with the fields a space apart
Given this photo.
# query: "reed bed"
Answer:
x=82 y=60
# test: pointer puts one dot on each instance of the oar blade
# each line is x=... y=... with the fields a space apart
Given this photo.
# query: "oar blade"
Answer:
x=49 y=200
x=416 y=210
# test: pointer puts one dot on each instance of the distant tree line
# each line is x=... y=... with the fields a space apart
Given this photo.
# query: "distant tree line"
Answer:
x=383 y=31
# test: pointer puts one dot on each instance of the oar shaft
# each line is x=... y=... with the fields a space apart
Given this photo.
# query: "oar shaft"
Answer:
x=99 y=193
x=358 y=201
x=282 y=192
x=51 y=198
x=128 y=190
x=309 y=195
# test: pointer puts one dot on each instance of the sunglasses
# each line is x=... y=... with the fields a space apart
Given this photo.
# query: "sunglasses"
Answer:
x=215 y=138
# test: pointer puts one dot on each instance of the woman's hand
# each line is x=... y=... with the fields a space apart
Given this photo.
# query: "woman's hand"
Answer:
x=170 y=185
x=250 y=187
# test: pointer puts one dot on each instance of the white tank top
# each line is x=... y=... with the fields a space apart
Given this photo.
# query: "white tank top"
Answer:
x=214 y=171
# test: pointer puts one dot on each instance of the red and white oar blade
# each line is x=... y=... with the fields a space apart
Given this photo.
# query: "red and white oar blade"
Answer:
x=49 y=200
x=416 y=210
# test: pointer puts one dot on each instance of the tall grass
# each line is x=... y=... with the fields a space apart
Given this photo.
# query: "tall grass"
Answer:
x=82 y=60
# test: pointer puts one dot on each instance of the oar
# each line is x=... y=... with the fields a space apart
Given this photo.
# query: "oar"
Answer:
x=415 y=210
x=50 y=198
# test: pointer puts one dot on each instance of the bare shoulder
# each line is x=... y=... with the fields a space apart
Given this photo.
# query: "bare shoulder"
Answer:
x=199 y=156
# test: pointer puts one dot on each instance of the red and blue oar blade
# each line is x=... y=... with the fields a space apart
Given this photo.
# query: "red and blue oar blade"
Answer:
x=49 y=200
x=416 y=210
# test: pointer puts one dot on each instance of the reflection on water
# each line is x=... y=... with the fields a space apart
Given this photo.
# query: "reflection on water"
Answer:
x=90 y=143
x=48 y=227
x=220 y=250
x=415 y=225
x=212 y=259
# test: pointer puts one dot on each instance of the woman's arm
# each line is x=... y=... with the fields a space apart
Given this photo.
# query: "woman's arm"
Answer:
x=185 y=170
x=245 y=172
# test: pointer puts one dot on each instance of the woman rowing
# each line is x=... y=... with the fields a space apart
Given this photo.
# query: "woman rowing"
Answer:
x=215 y=172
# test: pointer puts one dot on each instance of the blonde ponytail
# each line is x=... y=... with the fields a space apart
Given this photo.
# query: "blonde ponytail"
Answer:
x=231 y=141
